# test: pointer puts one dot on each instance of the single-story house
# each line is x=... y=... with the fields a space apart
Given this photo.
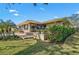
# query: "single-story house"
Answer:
x=32 y=26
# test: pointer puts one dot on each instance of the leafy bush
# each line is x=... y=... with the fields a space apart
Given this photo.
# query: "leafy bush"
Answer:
x=59 y=33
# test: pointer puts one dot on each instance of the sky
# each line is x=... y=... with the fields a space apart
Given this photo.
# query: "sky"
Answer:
x=27 y=11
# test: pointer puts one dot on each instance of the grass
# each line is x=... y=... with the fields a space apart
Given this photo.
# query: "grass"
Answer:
x=41 y=48
x=14 y=46
x=33 y=47
x=37 y=47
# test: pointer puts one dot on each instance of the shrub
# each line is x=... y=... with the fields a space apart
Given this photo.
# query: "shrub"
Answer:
x=59 y=33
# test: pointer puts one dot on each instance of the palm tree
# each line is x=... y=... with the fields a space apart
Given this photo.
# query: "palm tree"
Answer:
x=2 y=28
x=6 y=28
x=10 y=26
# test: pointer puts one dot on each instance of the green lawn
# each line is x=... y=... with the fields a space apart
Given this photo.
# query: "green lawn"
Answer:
x=34 y=47
x=41 y=48
x=14 y=46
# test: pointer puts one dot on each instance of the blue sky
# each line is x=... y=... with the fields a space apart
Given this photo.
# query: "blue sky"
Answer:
x=22 y=12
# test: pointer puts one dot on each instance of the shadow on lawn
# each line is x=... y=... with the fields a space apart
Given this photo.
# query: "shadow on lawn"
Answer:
x=33 y=49
x=41 y=46
x=38 y=47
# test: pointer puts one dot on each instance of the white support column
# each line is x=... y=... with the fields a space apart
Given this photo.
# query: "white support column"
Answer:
x=42 y=36
x=29 y=28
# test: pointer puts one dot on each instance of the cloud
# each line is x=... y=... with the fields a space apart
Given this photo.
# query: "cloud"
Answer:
x=12 y=11
x=56 y=17
x=16 y=14
x=42 y=9
x=77 y=12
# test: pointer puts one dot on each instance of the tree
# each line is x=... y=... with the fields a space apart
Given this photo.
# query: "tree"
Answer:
x=59 y=33
x=10 y=26
x=2 y=28
x=6 y=28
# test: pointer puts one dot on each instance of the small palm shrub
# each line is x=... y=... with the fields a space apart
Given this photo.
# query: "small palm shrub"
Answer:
x=59 y=33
